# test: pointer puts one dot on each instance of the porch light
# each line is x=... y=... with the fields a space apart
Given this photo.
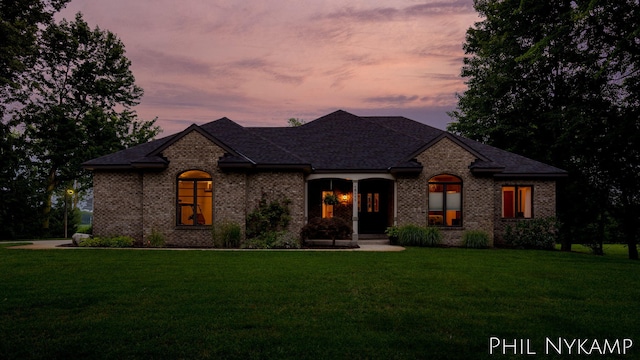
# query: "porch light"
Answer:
x=68 y=193
x=345 y=197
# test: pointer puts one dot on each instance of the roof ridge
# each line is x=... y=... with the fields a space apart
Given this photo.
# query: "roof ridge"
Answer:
x=396 y=130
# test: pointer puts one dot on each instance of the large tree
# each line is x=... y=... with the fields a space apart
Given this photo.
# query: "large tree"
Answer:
x=19 y=21
x=75 y=103
x=553 y=80
x=19 y=24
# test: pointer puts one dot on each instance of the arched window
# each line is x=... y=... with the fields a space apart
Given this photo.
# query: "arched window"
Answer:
x=195 y=200
x=445 y=200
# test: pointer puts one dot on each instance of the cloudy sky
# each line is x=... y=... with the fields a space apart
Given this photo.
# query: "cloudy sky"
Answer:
x=262 y=62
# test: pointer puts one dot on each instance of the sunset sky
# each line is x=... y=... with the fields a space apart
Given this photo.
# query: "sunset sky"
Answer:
x=260 y=63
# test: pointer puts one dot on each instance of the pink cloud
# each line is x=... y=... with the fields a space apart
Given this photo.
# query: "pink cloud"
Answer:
x=263 y=62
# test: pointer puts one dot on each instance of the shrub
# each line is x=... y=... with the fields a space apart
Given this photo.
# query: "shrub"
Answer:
x=227 y=235
x=114 y=242
x=121 y=241
x=91 y=242
x=328 y=228
x=476 y=239
x=156 y=239
x=273 y=240
x=392 y=233
x=433 y=237
x=413 y=235
x=268 y=217
x=533 y=234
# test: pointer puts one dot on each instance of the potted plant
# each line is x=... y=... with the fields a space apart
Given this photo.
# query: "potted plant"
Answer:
x=331 y=199
x=392 y=233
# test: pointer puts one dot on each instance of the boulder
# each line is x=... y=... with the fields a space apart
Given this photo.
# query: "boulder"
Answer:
x=78 y=237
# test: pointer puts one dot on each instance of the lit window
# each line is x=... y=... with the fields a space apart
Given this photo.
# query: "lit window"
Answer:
x=445 y=201
x=327 y=204
x=516 y=202
x=195 y=200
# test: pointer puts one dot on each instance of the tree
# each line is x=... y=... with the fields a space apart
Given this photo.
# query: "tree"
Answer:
x=557 y=81
x=19 y=21
x=19 y=24
x=76 y=104
x=293 y=122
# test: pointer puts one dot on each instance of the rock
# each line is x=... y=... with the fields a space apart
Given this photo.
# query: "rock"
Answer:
x=78 y=237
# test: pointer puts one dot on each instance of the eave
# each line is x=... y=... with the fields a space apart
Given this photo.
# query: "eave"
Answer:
x=557 y=175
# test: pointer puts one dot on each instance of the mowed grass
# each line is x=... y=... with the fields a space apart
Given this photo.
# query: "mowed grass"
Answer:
x=416 y=304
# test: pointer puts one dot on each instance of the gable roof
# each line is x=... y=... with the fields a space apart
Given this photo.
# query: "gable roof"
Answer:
x=337 y=142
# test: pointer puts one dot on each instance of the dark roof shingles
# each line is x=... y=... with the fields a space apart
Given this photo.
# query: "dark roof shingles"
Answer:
x=339 y=141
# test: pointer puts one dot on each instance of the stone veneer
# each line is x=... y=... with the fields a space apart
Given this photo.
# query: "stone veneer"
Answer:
x=136 y=203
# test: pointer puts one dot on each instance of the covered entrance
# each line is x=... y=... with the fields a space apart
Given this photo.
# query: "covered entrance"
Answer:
x=366 y=201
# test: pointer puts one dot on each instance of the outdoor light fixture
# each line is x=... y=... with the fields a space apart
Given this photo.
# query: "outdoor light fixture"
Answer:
x=68 y=193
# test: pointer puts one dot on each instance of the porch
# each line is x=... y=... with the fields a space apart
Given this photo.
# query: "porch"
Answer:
x=366 y=201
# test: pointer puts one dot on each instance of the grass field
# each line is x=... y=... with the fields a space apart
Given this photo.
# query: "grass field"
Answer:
x=416 y=304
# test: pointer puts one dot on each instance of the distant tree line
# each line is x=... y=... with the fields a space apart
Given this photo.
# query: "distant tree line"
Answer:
x=559 y=81
x=66 y=95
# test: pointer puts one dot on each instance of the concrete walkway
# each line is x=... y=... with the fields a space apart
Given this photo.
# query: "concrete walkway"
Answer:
x=55 y=244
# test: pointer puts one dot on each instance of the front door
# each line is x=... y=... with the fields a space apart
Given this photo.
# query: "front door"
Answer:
x=374 y=206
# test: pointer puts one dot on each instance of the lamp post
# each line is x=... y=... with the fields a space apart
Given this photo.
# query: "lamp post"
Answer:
x=67 y=193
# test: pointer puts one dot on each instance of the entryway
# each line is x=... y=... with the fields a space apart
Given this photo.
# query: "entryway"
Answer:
x=375 y=207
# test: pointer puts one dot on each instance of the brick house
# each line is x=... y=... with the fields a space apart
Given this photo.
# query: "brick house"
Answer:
x=382 y=171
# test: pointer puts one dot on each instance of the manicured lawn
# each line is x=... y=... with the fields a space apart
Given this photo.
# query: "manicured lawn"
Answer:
x=420 y=303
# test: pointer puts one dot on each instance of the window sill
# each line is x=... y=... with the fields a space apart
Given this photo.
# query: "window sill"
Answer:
x=193 y=227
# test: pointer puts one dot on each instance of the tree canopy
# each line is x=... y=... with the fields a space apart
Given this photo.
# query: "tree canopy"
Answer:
x=72 y=103
x=558 y=81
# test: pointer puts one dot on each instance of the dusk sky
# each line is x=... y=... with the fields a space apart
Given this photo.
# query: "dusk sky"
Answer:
x=260 y=63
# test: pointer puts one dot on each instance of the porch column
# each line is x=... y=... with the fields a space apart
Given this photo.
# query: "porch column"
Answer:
x=395 y=203
x=306 y=202
x=354 y=205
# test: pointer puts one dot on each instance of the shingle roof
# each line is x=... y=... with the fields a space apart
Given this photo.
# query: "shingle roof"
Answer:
x=339 y=141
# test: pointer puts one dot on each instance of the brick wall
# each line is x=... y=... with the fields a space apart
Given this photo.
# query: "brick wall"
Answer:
x=543 y=203
x=117 y=208
x=136 y=204
x=446 y=157
x=278 y=186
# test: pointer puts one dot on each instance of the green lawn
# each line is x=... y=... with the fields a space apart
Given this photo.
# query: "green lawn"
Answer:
x=419 y=303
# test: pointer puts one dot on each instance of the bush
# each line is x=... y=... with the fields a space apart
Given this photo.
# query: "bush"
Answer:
x=227 y=235
x=156 y=239
x=413 y=235
x=392 y=233
x=476 y=239
x=114 y=242
x=271 y=216
x=328 y=228
x=533 y=234
x=273 y=240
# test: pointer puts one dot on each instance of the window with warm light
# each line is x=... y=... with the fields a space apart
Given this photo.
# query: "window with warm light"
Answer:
x=445 y=201
x=195 y=198
x=516 y=202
